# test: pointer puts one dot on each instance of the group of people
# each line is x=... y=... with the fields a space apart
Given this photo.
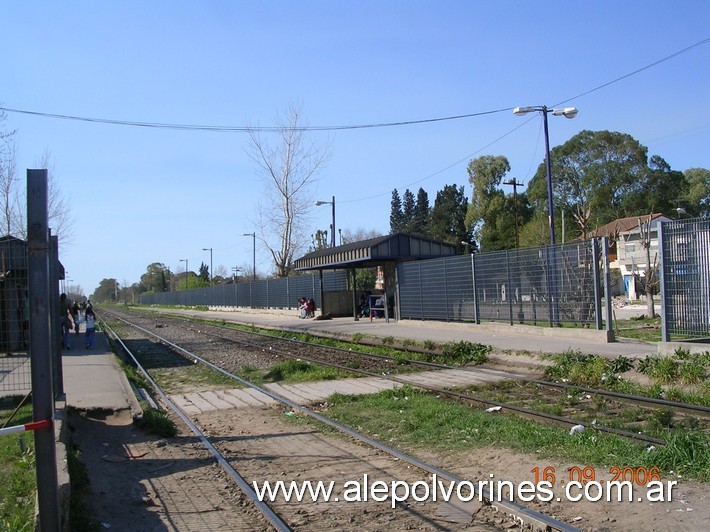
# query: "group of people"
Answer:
x=71 y=316
x=371 y=304
x=306 y=308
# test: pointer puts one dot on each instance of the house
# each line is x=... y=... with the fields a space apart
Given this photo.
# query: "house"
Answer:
x=626 y=251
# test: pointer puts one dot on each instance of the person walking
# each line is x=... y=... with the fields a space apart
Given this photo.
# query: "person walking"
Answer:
x=65 y=323
x=90 y=319
x=75 y=316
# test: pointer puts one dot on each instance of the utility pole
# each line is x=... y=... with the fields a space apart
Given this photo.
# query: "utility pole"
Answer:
x=512 y=182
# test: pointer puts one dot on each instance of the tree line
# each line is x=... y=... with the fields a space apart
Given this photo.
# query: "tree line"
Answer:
x=597 y=177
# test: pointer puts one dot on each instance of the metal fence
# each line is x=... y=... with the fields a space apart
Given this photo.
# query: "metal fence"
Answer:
x=685 y=278
x=15 y=371
x=269 y=293
x=552 y=285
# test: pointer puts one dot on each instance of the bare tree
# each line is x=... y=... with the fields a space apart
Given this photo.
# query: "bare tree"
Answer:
x=652 y=280
x=8 y=186
x=289 y=170
x=13 y=204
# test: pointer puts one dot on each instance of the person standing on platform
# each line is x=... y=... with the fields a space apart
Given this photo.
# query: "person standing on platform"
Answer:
x=65 y=320
x=90 y=319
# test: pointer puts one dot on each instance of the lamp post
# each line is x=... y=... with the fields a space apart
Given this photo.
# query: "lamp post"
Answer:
x=253 y=235
x=186 y=269
x=567 y=112
x=332 y=227
x=211 y=274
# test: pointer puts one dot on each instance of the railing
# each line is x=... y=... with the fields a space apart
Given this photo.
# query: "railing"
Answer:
x=685 y=279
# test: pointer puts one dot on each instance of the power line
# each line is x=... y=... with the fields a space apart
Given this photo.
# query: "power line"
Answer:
x=244 y=129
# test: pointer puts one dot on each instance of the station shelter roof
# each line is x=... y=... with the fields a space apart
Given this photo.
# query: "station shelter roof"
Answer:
x=398 y=247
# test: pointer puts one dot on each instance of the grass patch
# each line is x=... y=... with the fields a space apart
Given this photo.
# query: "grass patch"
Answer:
x=17 y=469
x=683 y=366
x=79 y=514
x=645 y=329
x=416 y=420
x=301 y=371
x=157 y=422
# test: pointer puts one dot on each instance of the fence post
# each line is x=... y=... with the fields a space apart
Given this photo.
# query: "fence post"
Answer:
x=446 y=290
x=508 y=286
x=476 y=317
x=597 y=285
x=665 y=331
x=607 y=284
x=41 y=341
x=421 y=295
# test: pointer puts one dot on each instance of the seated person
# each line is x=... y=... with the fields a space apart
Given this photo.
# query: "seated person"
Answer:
x=302 y=308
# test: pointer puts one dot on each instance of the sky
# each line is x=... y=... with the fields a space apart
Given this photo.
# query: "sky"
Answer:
x=140 y=195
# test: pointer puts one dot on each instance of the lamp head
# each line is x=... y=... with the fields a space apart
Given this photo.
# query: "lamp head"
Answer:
x=567 y=112
x=522 y=111
x=319 y=203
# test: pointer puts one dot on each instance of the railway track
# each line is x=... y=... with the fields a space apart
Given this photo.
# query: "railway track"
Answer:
x=394 y=369
x=166 y=352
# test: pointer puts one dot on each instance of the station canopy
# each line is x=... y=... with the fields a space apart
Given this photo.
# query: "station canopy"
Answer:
x=398 y=247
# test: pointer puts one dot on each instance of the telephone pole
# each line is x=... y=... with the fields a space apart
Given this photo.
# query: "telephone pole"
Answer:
x=512 y=182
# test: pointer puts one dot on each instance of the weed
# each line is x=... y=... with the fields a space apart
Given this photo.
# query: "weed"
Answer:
x=157 y=422
x=621 y=364
x=665 y=370
x=464 y=352
x=388 y=340
x=429 y=345
x=692 y=371
x=79 y=514
x=357 y=338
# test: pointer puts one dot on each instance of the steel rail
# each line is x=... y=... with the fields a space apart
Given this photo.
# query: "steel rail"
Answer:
x=517 y=511
x=522 y=411
x=640 y=400
x=268 y=513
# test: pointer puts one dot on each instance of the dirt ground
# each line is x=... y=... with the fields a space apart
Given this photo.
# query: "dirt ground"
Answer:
x=142 y=483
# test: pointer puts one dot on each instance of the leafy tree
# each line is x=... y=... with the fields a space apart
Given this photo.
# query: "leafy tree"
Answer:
x=156 y=278
x=593 y=175
x=396 y=214
x=204 y=274
x=448 y=217
x=106 y=292
x=697 y=195
x=289 y=169
x=409 y=206
x=488 y=201
x=422 y=215
x=657 y=191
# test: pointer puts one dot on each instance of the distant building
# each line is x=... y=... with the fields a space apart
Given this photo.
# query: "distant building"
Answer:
x=626 y=251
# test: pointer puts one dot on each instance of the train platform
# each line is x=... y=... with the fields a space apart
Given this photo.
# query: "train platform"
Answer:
x=93 y=380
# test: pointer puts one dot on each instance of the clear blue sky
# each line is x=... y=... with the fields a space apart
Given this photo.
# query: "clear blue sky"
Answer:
x=141 y=195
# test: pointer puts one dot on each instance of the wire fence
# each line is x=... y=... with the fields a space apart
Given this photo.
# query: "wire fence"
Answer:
x=685 y=279
x=15 y=371
x=552 y=285
x=267 y=293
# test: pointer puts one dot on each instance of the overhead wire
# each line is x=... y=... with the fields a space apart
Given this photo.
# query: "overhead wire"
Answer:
x=246 y=129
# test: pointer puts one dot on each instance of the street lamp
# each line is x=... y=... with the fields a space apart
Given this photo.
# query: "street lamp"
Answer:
x=211 y=274
x=253 y=235
x=567 y=112
x=332 y=227
x=186 y=269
